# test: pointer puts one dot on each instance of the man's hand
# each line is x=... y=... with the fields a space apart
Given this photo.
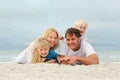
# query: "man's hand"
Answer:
x=71 y=59
x=68 y=60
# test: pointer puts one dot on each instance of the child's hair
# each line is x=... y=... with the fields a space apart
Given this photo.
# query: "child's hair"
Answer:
x=40 y=43
x=45 y=35
x=81 y=23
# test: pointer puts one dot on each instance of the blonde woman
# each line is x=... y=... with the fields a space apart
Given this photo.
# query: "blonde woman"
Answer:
x=26 y=56
x=52 y=36
x=43 y=53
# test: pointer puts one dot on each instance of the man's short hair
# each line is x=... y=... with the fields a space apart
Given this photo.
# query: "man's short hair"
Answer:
x=73 y=31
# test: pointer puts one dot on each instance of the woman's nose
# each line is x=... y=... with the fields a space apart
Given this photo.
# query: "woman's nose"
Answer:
x=53 y=39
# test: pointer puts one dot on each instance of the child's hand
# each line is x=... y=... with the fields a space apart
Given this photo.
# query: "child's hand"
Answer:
x=43 y=59
x=61 y=38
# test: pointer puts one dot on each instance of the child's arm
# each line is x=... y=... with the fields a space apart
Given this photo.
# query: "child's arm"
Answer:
x=61 y=37
x=51 y=61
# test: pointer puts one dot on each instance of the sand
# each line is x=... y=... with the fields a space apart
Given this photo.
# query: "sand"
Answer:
x=42 y=71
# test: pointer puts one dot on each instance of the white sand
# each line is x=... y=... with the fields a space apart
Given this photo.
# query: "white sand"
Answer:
x=103 y=71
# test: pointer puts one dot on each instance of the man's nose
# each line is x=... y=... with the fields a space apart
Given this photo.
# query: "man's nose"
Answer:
x=70 y=41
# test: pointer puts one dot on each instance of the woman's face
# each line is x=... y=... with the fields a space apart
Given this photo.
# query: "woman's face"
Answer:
x=52 y=38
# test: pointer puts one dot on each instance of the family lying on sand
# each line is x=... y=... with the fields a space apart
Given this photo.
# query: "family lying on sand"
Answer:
x=71 y=48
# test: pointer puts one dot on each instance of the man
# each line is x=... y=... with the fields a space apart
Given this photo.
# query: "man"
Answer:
x=77 y=50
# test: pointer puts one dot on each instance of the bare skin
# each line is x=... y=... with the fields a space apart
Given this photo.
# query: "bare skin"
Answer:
x=73 y=43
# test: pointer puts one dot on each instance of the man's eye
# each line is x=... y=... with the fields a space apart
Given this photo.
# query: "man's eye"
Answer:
x=68 y=40
x=72 y=39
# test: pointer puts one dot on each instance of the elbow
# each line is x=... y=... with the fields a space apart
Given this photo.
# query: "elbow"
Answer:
x=94 y=62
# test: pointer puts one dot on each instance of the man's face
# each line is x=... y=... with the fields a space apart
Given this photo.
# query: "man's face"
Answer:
x=73 y=42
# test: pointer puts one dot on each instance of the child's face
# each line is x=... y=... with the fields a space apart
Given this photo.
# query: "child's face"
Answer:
x=82 y=29
x=43 y=51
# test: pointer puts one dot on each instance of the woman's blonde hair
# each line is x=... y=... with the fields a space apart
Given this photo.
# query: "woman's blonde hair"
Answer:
x=40 y=43
x=49 y=31
x=45 y=35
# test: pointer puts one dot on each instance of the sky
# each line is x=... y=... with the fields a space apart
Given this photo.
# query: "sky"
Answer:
x=22 y=21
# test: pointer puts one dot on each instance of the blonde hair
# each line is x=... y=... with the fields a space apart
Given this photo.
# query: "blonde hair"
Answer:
x=45 y=35
x=49 y=31
x=40 y=43
x=81 y=23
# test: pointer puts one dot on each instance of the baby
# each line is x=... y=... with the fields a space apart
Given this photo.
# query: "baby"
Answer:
x=80 y=25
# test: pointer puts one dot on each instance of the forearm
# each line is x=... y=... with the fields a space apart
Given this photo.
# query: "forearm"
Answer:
x=51 y=61
x=93 y=59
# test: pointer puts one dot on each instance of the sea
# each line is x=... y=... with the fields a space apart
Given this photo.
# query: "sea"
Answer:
x=104 y=54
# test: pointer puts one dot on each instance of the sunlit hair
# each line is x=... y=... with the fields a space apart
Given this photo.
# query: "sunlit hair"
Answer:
x=49 y=31
x=40 y=43
x=81 y=23
x=45 y=35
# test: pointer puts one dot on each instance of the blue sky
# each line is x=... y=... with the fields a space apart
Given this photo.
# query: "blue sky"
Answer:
x=21 y=21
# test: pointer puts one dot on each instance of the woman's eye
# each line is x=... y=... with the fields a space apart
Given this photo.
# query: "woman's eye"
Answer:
x=50 y=36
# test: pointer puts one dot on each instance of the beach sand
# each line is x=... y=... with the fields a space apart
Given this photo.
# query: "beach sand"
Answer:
x=42 y=71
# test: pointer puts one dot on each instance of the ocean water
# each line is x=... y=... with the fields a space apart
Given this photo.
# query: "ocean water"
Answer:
x=8 y=55
x=109 y=56
x=104 y=55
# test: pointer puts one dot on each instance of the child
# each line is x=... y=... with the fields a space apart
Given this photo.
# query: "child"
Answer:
x=43 y=53
x=26 y=55
x=80 y=25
